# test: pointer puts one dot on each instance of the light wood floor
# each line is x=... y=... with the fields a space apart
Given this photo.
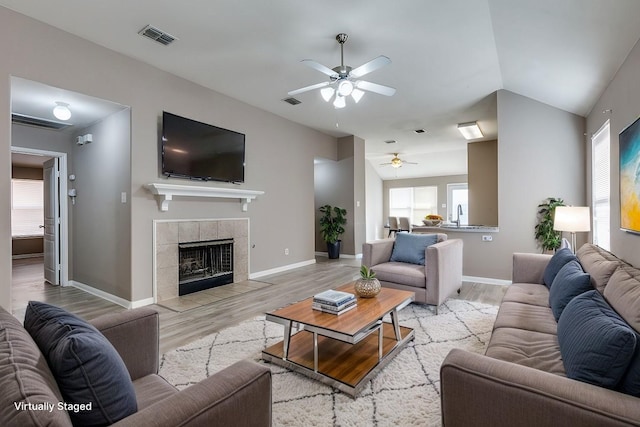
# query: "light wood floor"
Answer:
x=179 y=328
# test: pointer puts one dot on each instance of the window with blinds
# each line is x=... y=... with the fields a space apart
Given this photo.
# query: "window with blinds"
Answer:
x=413 y=202
x=600 y=186
x=27 y=209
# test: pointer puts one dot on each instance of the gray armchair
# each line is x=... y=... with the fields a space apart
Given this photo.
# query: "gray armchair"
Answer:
x=432 y=283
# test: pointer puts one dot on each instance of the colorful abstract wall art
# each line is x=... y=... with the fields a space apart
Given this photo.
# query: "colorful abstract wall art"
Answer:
x=630 y=177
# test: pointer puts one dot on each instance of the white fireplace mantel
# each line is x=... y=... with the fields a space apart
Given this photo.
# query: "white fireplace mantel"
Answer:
x=166 y=192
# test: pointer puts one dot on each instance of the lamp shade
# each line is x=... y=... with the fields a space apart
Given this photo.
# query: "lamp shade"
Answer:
x=572 y=218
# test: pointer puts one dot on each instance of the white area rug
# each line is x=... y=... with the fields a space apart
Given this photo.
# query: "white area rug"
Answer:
x=405 y=393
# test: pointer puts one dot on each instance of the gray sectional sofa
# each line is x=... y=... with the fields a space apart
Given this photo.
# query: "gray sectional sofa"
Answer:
x=239 y=395
x=522 y=379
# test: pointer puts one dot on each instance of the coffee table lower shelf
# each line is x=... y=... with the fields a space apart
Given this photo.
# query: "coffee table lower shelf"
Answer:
x=347 y=367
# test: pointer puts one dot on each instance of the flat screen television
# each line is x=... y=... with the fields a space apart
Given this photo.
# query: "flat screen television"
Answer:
x=630 y=177
x=200 y=151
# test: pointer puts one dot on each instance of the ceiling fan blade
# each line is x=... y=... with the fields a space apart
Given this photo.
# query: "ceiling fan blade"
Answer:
x=308 y=88
x=318 y=66
x=370 y=66
x=374 y=87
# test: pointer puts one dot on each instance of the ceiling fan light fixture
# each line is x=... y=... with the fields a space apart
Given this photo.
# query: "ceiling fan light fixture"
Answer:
x=327 y=93
x=396 y=162
x=470 y=130
x=357 y=95
x=61 y=111
x=339 y=102
x=345 y=87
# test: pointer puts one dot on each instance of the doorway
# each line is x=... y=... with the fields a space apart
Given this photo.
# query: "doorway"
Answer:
x=54 y=216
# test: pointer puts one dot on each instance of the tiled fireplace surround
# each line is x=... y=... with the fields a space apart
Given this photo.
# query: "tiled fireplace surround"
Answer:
x=170 y=233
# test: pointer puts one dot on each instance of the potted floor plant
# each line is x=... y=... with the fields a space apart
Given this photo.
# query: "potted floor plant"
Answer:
x=548 y=238
x=332 y=224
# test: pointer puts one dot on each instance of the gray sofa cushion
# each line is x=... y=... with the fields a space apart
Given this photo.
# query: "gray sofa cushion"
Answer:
x=527 y=348
x=87 y=368
x=25 y=377
x=596 y=344
x=570 y=282
x=623 y=294
x=599 y=263
x=527 y=293
x=403 y=273
x=526 y=317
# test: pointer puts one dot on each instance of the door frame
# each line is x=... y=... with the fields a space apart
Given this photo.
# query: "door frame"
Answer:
x=63 y=256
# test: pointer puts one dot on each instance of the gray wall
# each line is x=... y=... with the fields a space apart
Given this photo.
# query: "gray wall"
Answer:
x=101 y=222
x=622 y=97
x=540 y=154
x=374 y=211
x=279 y=156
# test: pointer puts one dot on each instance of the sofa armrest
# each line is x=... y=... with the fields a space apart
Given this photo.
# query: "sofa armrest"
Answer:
x=481 y=391
x=377 y=252
x=529 y=268
x=239 y=395
x=443 y=264
x=135 y=335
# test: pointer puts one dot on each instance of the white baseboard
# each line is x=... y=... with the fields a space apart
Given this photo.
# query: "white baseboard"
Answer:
x=110 y=297
x=282 y=269
x=488 y=280
x=25 y=256
x=326 y=254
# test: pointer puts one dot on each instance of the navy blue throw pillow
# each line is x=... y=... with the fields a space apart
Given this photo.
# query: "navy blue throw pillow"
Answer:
x=570 y=282
x=410 y=247
x=595 y=342
x=93 y=379
x=557 y=261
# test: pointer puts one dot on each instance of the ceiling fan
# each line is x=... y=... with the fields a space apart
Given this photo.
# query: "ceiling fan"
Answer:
x=343 y=80
x=397 y=162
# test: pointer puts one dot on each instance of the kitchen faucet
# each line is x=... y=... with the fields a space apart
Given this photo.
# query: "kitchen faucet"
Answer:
x=459 y=210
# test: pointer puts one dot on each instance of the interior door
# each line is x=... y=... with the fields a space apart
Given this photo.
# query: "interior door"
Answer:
x=51 y=178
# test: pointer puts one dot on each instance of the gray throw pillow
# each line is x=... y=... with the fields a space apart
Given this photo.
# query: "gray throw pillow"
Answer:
x=570 y=282
x=596 y=344
x=557 y=261
x=410 y=248
x=92 y=377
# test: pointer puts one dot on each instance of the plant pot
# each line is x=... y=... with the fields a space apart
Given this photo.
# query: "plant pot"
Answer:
x=334 y=250
x=367 y=288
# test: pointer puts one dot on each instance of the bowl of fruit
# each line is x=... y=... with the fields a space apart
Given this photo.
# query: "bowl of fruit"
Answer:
x=432 y=220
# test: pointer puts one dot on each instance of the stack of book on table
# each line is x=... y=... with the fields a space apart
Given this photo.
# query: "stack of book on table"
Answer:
x=334 y=302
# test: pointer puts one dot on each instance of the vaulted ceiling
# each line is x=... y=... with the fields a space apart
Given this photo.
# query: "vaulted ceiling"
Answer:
x=448 y=58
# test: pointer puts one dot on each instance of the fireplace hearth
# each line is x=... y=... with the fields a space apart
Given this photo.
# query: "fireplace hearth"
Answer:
x=204 y=265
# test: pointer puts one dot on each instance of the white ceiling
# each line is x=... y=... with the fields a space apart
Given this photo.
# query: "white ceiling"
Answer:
x=449 y=58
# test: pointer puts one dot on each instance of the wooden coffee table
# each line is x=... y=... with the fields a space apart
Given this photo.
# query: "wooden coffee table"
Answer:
x=344 y=351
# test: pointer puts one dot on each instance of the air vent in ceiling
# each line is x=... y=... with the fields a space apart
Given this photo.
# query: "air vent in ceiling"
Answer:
x=390 y=141
x=157 y=35
x=419 y=131
x=292 y=101
x=23 y=119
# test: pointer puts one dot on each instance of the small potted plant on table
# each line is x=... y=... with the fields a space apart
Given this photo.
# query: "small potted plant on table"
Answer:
x=367 y=286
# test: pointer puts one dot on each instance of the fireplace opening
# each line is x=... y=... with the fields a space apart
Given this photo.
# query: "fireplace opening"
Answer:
x=204 y=265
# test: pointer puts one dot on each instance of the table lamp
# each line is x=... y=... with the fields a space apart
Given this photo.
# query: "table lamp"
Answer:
x=572 y=219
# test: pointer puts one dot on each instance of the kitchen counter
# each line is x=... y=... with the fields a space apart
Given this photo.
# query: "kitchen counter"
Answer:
x=452 y=228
